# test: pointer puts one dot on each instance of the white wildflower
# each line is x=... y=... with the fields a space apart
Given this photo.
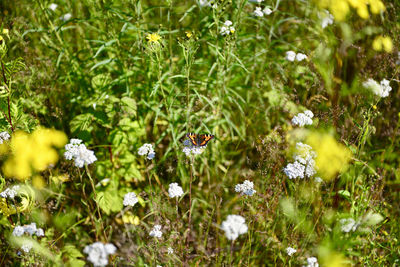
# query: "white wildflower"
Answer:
x=381 y=89
x=189 y=149
x=256 y=1
x=4 y=136
x=147 y=150
x=79 y=153
x=312 y=262
x=258 y=12
x=66 y=17
x=39 y=232
x=53 y=6
x=10 y=192
x=318 y=180
x=170 y=250
x=302 y=119
x=130 y=199
x=175 y=190
x=98 y=253
x=156 y=231
x=290 y=251
x=290 y=55
x=348 y=225
x=267 y=11
x=300 y=57
x=30 y=228
x=294 y=170
x=304 y=165
x=18 y=231
x=326 y=19
x=246 y=188
x=234 y=225
x=27 y=246
x=203 y=3
x=227 y=29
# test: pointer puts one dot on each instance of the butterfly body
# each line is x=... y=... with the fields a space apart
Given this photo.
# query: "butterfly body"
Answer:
x=199 y=140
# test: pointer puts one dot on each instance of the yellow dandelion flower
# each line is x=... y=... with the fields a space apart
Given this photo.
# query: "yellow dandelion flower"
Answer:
x=153 y=37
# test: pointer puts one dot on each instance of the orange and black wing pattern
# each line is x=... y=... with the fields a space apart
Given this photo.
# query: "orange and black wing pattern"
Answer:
x=199 y=139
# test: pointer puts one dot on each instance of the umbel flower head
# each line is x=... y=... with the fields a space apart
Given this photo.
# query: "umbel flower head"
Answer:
x=10 y=192
x=234 y=225
x=189 y=149
x=147 y=150
x=32 y=152
x=381 y=89
x=4 y=136
x=130 y=199
x=227 y=29
x=156 y=231
x=246 y=188
x=302 y=119
x=79 y=153
x=175 y=190
x=98 y=253
x=304 y=165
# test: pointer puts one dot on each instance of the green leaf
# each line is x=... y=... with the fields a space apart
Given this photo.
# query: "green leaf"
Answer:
x=109 y=201
x=129 y=105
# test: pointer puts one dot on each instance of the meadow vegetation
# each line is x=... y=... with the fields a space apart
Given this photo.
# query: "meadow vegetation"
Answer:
x=199 y=133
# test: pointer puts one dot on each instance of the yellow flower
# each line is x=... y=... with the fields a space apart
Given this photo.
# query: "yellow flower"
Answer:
x=189 y=34
x=32 y=152
x=5 y=31
x=340 y=8
x=153 y=37
x=383 y=43
x=332 y=157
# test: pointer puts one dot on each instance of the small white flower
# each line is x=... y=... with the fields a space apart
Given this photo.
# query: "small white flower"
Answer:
x=318 y=180
x=39 y=232
x=303 y=119
x=227 y=29
x=246 y=188
x=66 y=17
x=267 y=11
x=312 y=262
x=98 y=253
x=290 y=251
x=10 y=192
x=290 y=55
x=234 y=225
x=4 y=136
x=348 y=225
x=130 y=199
x=30 y=228
x=18 y=231
x=156 y=231
x=170 y=250
x=27 y=246
x=381 y=89
x=327 y=19
x=300 y=57
x=204 y=3
x=53 y=6
x=189 y=149
x=79 y=153
x=258 y=12
x=294 y=170
x=175 y=190
x=147 y=150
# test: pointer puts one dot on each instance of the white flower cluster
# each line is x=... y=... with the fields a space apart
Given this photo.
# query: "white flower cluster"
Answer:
x=206 y=3
x=170 y=250
x=79 y=153
x=304 y=118
x=292 y=56
x=304 y=165
x=234 y=225
x=156 y=231
x=10 y=192
x=381 y=89
x=290 y=251
x=29 y=228
x=189 y=149
x=53 y=7
x=27 y=246
x=326 y=19
x=130 y=199
x=260 y=13
x=175 y=190
x=4 y=136
x=349 y=225
x=227 y=29
x=246 y=188
x=147 y=150
x=98 y=253
x=312 y=262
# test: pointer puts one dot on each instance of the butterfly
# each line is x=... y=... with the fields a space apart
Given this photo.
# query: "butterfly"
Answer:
x=199 y=139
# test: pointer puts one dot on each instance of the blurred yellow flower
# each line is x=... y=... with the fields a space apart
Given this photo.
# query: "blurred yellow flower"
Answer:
x=340 y=8
x=383 y=43
x=5 y=31
x=153 y=37
x=32 y=152
x=332 y=157
x=128 y=218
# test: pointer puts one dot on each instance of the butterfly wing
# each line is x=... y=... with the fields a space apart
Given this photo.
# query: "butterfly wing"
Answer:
x=204 y=138
x=193 y=138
